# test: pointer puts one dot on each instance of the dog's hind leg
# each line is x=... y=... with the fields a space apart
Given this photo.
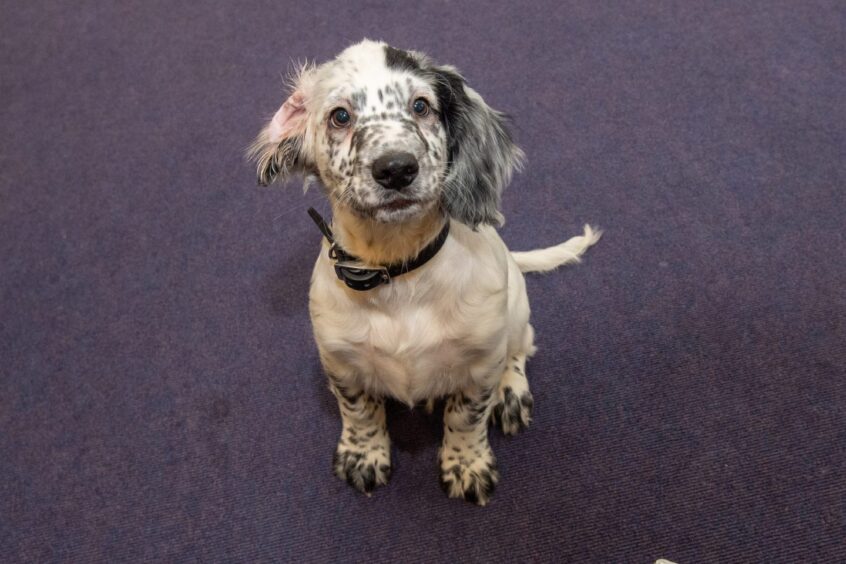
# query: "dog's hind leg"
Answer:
x=513 y=408
x=363 y=455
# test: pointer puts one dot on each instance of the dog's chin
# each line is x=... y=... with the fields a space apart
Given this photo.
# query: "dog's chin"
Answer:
x=398 y=210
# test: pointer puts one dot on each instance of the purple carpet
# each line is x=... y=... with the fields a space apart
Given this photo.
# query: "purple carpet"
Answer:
x=160 y=394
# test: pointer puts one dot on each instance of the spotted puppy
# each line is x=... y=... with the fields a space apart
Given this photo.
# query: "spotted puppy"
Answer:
x=414 y=295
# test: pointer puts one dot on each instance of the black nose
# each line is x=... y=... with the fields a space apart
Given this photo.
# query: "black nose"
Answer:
x=395 y=171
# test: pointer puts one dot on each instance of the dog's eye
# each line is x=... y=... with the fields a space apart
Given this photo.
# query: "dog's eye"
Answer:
x=420 y=107
x=340 y=117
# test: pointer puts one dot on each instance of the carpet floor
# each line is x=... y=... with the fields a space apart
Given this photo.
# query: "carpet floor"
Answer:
x=161 y=397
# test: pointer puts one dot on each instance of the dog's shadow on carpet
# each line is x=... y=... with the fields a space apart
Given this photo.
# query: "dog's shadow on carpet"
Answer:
x=412 y=430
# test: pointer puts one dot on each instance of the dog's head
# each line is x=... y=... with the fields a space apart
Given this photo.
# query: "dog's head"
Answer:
x=391 y=135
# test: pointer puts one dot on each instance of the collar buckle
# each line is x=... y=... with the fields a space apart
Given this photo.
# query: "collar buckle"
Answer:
x=358 y=276
x=361 y=278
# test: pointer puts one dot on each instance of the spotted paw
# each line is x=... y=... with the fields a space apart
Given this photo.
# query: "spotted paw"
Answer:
x=362 y=469
x=473 y=479
x=513 y=414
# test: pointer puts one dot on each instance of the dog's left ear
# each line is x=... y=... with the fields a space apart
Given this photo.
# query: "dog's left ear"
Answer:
x=481 y=154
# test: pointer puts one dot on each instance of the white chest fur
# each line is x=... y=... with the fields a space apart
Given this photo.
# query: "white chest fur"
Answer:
x=428 y=333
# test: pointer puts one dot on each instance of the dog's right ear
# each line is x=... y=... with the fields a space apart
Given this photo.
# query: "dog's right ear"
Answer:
x=278 y=149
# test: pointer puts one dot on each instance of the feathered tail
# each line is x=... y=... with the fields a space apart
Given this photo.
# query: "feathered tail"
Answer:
x=568 y=252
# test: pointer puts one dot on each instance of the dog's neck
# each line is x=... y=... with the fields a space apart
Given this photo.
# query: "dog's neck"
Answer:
x=378 y=243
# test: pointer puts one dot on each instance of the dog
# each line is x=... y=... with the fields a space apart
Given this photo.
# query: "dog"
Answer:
x=414 y=295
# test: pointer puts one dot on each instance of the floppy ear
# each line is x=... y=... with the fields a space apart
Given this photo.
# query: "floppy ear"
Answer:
x=481 y=154
x=278 y=149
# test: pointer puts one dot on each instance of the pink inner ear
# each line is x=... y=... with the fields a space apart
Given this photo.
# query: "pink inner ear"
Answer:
x=289 y=120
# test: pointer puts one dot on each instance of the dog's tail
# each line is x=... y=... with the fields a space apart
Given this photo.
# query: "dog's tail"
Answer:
x=568 y=252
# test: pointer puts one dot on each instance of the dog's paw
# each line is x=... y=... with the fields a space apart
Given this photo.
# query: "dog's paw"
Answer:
x=472 y=477
x=362 y=469
x=513 y=414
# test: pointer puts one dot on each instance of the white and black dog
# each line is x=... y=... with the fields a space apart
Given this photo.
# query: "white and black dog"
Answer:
x=414 y=294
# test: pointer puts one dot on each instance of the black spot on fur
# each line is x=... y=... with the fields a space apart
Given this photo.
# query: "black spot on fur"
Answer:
x=356 y=141
x=351 y=396
x=350 y=465
x=282 y=161
x=359 y=99
x=496 y=414
x=486 y=395
x=481 y=484
x=513 y=414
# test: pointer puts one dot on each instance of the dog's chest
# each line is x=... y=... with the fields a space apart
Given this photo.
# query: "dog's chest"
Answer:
x=412 y=352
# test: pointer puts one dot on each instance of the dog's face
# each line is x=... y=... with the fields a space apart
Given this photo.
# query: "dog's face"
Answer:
x=391 y=136
x=378 y=145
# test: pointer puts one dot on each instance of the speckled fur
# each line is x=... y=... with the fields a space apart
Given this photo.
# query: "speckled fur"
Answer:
x=456 y=328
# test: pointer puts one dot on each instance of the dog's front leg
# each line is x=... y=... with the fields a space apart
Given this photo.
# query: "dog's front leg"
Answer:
x=363 y=456
x=467 y=464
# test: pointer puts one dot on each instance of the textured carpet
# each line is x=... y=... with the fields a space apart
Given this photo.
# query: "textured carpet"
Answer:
x=160 y=393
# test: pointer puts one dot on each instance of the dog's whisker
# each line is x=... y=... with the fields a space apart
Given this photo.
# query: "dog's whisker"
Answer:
x=296 y=209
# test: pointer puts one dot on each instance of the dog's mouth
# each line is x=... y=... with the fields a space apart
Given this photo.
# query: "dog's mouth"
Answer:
x=399 y=209
x=391 y=207
x=397 y=204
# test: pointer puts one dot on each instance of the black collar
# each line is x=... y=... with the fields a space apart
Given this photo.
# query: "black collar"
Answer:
x=357 y=276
